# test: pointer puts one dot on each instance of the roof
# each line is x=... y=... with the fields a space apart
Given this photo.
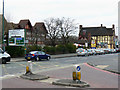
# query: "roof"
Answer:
x=97 y=31
x=40 y=26
x=25 y=22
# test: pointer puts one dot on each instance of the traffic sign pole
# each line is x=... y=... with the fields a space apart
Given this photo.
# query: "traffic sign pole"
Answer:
x=25 y=42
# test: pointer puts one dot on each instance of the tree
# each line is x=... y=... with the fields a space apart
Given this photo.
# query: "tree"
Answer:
x=52 y=26
x=60 y=29
x=67 y=27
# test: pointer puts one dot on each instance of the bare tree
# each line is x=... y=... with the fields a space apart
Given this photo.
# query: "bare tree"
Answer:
x=52 y=25
x=67 y=27
x=60 y=30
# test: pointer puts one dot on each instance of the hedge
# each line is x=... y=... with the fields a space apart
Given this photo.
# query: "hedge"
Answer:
x=18 y=51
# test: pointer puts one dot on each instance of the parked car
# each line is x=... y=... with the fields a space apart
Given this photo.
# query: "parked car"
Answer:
x=79 y=49
x=4 y=57
x=90 y=52
x=99 y=52
x=37 y=55
x=82 y=52
x=93 y=51
x=107 y=50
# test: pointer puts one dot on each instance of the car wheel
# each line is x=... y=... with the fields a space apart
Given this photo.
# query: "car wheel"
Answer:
x=37 y=59
x=3 y=61
x=48 y=58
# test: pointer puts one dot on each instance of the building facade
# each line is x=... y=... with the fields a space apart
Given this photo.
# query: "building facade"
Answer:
x=97 y=37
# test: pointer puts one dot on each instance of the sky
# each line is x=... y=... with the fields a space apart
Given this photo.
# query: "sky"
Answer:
x=85 y=12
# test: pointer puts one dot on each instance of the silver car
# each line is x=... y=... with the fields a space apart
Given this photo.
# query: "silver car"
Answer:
x=82 y=52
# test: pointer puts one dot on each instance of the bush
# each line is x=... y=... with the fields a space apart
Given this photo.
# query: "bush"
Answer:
x=71 y=48
x=17 y=51
x=50 y=50
x=34 y=48
x=60 y=49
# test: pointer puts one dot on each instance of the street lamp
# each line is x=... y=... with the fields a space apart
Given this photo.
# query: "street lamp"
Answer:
x=3 y=43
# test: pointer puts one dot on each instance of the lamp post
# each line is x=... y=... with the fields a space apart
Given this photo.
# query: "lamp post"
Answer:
x=25 y=41
x=3 y=43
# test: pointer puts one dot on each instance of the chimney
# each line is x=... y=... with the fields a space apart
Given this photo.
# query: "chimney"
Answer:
x=80 y=26
x=101 y=25
x=113 y=27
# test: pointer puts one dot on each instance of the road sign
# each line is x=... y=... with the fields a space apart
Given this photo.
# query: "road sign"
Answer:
x=78 y=68
x=17 y=37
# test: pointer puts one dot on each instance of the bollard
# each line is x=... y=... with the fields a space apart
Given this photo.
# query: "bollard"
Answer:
x=79 y=76
x=29 y=68
x=74 y=76
x=76 y=73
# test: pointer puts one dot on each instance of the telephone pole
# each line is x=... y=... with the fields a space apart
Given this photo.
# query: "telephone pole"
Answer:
x=3 y=43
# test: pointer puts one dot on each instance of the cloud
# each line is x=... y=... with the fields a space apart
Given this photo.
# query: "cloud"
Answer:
x=87 y=12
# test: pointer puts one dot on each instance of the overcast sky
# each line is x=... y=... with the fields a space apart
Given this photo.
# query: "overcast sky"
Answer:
x=85 y=12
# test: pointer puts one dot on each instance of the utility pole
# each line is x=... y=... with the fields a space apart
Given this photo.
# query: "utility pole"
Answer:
x=25 y=42
x=3 y=43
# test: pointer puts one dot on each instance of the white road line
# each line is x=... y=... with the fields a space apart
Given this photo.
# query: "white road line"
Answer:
x=6 y=76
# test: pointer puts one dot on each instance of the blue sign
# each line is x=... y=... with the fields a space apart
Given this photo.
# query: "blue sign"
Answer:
x=93 y=47
x=18 y=38
x=78 y=68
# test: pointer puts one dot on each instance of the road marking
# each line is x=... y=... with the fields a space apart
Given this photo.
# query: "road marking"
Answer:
x=101 y=69
x=6 y=76
x=22 y=65
x=57 y=65
x=5 y=70
x=102 y=66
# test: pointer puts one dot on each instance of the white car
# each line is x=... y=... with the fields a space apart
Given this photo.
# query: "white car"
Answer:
x=90 y=52
x=82 y=52
x=4 y=57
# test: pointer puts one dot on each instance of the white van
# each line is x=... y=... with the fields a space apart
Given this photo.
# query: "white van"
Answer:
x=4 y=57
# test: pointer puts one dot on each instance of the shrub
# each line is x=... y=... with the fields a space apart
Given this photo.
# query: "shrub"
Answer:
x=60 y=49
x=49 y=49
x=71 y=48
x=17 y=51
x=34 y=48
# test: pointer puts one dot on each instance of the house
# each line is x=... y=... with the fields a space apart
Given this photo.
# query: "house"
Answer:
x=26 y=24
x=97 y=37
x=39 y=33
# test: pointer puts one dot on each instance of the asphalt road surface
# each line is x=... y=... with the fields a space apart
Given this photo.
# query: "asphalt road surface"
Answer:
x=61 y=68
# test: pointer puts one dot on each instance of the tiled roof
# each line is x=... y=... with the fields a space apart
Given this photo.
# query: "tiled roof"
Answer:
x=22 y=23
x=97 y=31
x=40 y=26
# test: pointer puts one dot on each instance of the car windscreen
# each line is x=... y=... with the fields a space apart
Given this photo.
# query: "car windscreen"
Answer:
x=32 y=52
x=81 y=51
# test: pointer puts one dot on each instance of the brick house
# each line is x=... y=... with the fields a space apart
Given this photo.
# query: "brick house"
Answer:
x=101 y=36
x=39 y=33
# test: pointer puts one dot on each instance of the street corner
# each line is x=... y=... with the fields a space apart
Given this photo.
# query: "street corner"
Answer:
x=34 y=77
x=70 y=82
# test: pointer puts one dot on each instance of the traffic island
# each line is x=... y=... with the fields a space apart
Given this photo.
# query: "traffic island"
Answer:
x=30 y=76
x=34 y=76
x=75 y=82
x=72 y=83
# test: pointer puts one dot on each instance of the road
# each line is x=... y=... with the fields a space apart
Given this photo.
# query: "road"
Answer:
x=62 y=68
